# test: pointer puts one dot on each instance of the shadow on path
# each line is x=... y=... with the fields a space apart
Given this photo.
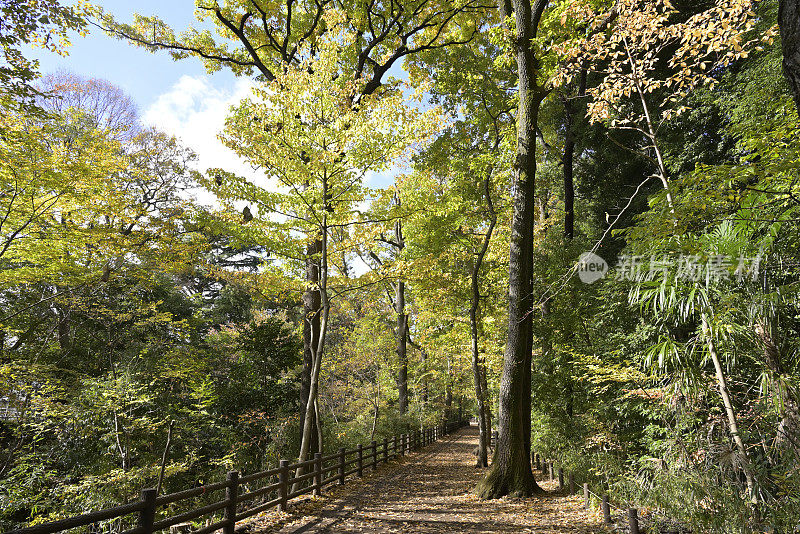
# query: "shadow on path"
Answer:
x=430 y=491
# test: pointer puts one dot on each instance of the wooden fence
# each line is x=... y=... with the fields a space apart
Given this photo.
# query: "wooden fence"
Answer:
x=547 y=468
x=277 y=487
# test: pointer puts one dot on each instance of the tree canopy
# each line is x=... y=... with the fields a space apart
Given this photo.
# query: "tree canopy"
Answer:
x=590 y=246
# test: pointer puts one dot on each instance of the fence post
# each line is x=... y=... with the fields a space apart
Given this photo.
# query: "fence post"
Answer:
x=402 y=444
x=571 y=484
x=283 y=489
x=341 y=466
x=560 y=478
x=317 y=473
x=606 y=510
x=360 y=464
x=231 y=494
x=586 y=495
x=374 y=455
x=385 y=450
x=633 y=520
x=147 y=515
x=550 y=468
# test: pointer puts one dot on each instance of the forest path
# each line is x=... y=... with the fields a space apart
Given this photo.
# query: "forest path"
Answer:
x=431 y=491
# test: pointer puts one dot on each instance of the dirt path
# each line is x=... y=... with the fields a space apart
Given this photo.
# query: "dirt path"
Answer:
x=431 y=491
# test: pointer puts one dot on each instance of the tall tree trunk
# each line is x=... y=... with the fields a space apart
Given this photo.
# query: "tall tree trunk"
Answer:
x=423 y=357
x=402 y=325
x=312 y=430
x=480 y=396
x=477 y=372
x=401 y=349
x=733 y=426
x=487 y=409
x=448 y=394
x=64 y=328
x=311 y=328
x=377 y=407
x=401 y=328
x=789 y=24
x=510 y=472
x=423 y=360
x=164 y=458
x=570 y=140
x=571 y=114
x=63 y=321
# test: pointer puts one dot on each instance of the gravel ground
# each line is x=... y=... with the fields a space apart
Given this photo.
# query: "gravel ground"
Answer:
x=430 y=491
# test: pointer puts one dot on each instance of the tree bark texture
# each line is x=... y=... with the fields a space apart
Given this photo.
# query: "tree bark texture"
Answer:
x=311 y=323
x=311 y=421
x=510 y=472
x=401 y=349
x=402 y=329
x=478 y=373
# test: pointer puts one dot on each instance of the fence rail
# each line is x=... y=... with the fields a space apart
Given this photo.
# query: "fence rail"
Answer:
x=281 y=484
x=547 y=468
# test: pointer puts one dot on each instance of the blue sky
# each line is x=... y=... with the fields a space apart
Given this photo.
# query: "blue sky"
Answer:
x=142 y=74
x=178 y=97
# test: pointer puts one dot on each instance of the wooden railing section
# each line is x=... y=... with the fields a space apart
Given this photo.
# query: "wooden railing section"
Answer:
x=277 y=487
x=547 y=468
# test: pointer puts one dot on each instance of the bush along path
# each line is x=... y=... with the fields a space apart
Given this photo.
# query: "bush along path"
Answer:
x=430 y=491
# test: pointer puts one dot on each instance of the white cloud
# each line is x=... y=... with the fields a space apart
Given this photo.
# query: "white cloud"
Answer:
x=194 y=111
